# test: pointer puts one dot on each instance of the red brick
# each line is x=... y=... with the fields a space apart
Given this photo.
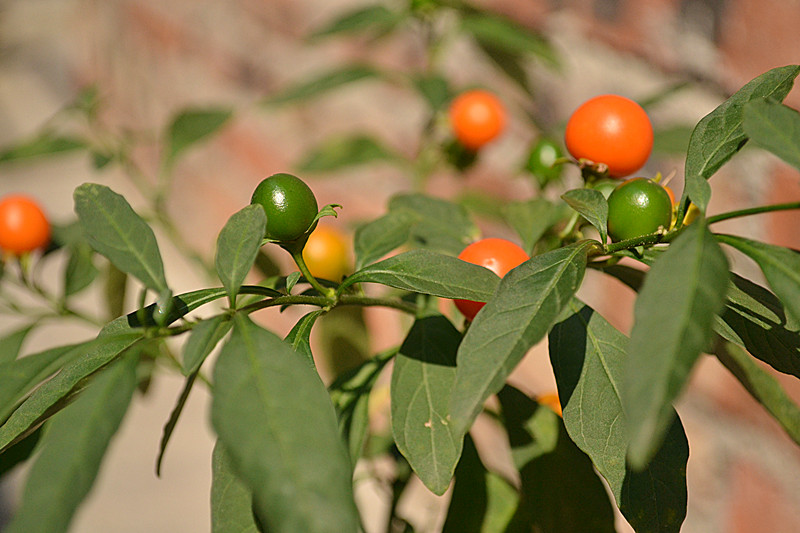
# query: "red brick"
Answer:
x=758 y=503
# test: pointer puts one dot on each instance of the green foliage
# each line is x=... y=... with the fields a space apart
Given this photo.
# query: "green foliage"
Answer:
x=673 y=316
x=775 y=127
x=288 y=446
x=719 y=135
x=191 y=126
x=422 y=378
x=258 y=380
x=114 y=230
x=337 y=154
x=44 y=144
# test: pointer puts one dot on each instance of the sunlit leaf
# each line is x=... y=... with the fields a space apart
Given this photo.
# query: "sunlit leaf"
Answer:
x=719 y=135
x=775 y=127
x=588 y=358
x=72 y=450
x=275 y=418
x=422 y=377
x=591 y=205
x=527 y=302
x=431 y=273
x=381 y=236
x=114 y=230
x=237 y=247
x=231 y=500
x=442 y=225
x=673 y=319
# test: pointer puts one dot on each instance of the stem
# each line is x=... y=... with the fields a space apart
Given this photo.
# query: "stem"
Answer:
x=319 y=301
x=347 y=299
x=645 y=240
x=329 y=293
x=753 y=211
x=570 y=227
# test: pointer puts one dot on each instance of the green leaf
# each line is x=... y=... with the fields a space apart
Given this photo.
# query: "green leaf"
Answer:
x=321 y=84
x=442 y=226
x=719 y=135
x=19 y=453
x=781 y=268
x=43 y=144
x=174 y=416
x=300 y=335
x=72 y=450
x=53 y=394
x=11 y=344
x=591 y=205
x=275 y=418
x=754 y=319
x=435 y=89
x=588 y=358
x=431 y=273
x=204 y=337
x=350 y=396
x=181 y=305
x=560 y=490
x=774 y=127
x=80 y=271
x=763 y=387
x=507 y=36
x=482 y=501
x=373 y=19
x=510 y=64
x=673 y=319
x=422 y=377
x=527 y=302
x=531 y=219
x=231 y=500
x=672 y=140
x=117 y=232
x=343 y=152
x=20 y=376
x=190 y=126
x=381 y=236
x=237 y=246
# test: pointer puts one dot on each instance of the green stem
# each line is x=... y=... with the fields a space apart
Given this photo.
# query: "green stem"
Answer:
x=570 y=227
x=753 y=211
x=328 y=292
x=347 y=299
x=627 y=244
x=319 y=301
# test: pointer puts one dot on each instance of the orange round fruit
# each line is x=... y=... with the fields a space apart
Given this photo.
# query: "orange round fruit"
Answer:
x=499 y=256
x=327 y=254
x=477 y=117
x=612 y=130
x=23 y=225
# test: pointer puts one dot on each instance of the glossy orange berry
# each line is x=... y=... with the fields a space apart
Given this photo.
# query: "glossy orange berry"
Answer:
x=477 y=117
x=23 y=225
x=612 y=130
x=499 y=256
x=327 y=254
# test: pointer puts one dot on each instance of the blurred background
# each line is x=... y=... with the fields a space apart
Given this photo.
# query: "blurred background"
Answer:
x=151 y=59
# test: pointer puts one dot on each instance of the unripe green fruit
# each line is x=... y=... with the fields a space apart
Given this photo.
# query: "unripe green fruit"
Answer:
x=638 y=207
x=290 y=206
